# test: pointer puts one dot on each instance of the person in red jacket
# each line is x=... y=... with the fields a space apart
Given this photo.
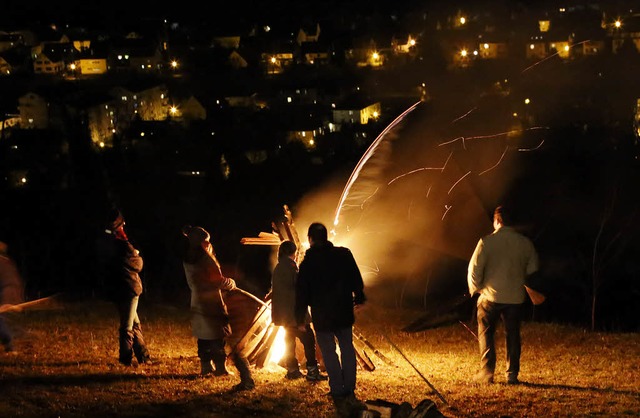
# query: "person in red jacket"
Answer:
x=209 y=314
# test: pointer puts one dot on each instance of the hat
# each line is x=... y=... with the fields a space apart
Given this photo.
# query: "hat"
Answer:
x=195 y=234
x=116 y=220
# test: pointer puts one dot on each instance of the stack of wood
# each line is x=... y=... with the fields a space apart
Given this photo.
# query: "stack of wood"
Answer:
x=257 y=338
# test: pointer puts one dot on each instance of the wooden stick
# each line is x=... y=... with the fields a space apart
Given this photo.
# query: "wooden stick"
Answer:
x=27 y=305
x=416 y=369
x=362 y=338
x=260 y=301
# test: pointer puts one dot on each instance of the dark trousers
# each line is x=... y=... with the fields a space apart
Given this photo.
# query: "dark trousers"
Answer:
x=214 y=350
x=341 y=371
x=308 y=340
x=488 y=315
x=5 y=333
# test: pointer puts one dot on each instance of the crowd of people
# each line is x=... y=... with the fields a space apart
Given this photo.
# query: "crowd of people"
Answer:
x=315 y=303
x=314 y=300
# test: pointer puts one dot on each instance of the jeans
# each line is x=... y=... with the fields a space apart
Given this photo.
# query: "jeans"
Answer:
x=341 y=371
x=488 y=315
x=308 y=340
x=128 y=311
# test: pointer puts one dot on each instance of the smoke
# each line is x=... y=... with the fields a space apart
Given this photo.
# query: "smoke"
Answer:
x=423 y=193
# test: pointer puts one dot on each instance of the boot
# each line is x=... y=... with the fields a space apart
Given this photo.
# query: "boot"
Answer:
x=139 y=347
x=246 y=380
x=314 y=375
x=348 y=406
x=293 y=374
x=206 y=367
x=126 y=347
x=342 y=407
x=220 y=361
x=293 y=368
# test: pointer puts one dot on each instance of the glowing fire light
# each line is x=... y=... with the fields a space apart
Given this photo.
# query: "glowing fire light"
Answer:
x=277 y=349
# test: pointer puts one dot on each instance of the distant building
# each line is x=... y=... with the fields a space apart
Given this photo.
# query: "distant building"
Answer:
x=356 y=112
x=147 y=103
x=34 y=111
x=48 y=63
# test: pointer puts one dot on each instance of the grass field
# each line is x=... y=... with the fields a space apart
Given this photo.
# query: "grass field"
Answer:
x=65 y=365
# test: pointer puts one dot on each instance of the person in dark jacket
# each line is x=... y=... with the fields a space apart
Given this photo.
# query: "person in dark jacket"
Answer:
x=124 y=288
x=283 y=300
x=330 y=283
x=209 y=314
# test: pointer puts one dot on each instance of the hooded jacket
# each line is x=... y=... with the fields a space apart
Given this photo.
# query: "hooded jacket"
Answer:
x=210 y=319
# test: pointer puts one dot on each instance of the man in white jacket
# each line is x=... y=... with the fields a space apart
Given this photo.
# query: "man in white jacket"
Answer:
x=500 y=265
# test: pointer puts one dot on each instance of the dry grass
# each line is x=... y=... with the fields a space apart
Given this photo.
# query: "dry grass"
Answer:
x=66 y=366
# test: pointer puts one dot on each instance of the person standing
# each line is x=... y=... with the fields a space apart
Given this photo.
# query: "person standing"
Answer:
x=499 y=267
x=210 y=318
x=283 y=299
x=330 y=283
x=124 y=288
x=11 y=293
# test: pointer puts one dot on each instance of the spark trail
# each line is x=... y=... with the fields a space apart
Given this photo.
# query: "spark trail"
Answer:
x=365 y=158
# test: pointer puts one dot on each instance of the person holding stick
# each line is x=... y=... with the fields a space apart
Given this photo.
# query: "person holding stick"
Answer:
x=210 y=317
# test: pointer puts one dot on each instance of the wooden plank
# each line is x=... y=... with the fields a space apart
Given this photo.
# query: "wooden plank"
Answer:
x=363 y=359
x=359 y=337
x=262 y=354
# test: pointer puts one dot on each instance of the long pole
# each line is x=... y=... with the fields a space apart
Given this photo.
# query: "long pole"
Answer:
x=27 y=305
x=468 y=329
x=244 y=292
x=416 y=369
